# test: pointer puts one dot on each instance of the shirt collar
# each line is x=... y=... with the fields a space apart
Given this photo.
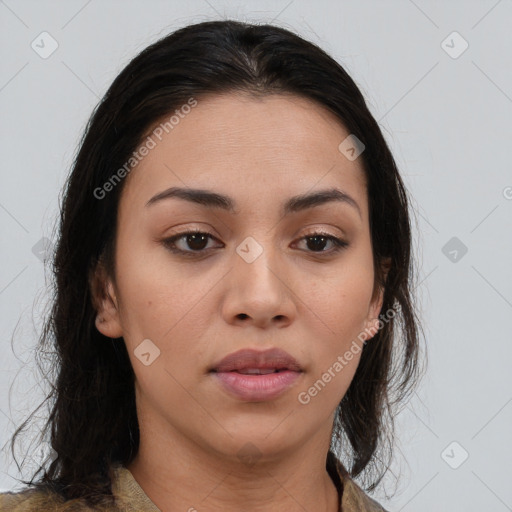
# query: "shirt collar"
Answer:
x=132 y=498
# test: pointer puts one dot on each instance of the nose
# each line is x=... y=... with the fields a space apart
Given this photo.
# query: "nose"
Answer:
x=258 y=294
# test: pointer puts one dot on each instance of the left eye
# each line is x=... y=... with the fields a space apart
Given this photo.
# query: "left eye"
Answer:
x=319 y=240
x=197 y=242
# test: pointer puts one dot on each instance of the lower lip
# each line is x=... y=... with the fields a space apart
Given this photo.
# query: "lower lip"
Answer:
x=257 y=388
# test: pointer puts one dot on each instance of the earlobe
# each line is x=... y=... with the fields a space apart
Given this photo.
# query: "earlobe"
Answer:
x=373 y=321
x=376 y=306
x=106 y=304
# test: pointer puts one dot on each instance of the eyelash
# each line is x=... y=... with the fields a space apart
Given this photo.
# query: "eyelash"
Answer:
x=170 y=244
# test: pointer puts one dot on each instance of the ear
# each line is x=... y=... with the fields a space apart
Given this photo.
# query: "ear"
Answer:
x=372 y=320
x=105 y=303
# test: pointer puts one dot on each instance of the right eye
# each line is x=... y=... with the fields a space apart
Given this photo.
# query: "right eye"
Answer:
x=195 y=240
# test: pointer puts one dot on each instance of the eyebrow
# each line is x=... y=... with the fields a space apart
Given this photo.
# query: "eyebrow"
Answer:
x=292 y=205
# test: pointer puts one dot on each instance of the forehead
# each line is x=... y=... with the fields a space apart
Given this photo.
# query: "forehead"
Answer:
x=268 y=146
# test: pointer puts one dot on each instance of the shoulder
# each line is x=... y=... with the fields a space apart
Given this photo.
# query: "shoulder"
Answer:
x=356 y=500
x=128 y=497
x=36 y=500
x=27 y=500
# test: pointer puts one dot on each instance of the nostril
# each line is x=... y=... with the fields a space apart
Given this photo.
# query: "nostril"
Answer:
x=242 y=316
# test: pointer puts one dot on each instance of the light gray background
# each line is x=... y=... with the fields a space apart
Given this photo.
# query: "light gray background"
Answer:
x=448 y=123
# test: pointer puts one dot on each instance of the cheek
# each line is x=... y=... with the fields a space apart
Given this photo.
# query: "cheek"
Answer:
x=158 y=306
x=342 y=303
x=160 y=303
x=342 y=298
x=148 y=285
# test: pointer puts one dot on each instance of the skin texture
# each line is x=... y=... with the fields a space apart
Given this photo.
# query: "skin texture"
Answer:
x=197 y=310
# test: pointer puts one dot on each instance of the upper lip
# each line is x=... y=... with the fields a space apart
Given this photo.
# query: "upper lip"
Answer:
x=248 y=358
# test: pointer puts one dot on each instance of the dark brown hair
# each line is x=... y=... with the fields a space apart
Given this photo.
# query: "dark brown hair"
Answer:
x=93 y=421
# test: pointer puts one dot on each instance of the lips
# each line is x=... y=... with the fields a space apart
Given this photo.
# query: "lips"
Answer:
x=255 y=376
x=253 y=362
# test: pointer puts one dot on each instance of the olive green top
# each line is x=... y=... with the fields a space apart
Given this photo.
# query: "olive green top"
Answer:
x=131 y=498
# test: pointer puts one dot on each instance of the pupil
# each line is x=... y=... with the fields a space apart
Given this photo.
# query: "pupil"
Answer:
x=197 y=241
x=315 y=244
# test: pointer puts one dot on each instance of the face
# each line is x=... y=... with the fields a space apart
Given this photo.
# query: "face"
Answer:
x=263 y=272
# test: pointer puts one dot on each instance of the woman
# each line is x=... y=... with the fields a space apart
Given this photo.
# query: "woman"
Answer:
x=233 y=322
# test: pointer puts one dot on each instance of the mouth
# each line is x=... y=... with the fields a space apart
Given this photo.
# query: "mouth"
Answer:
x=256 y=376
x=259 y=371
x=249 y=361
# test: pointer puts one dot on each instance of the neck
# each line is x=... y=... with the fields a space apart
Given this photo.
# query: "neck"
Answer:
x=178 y=474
